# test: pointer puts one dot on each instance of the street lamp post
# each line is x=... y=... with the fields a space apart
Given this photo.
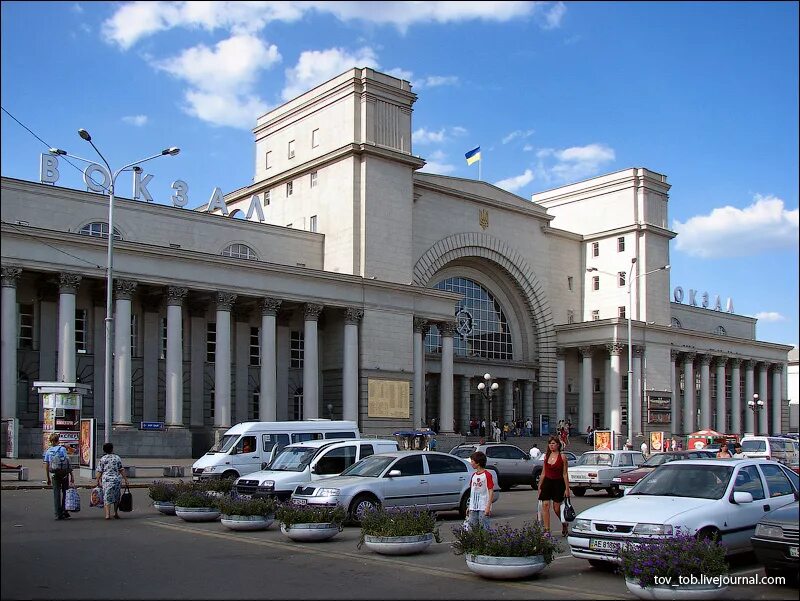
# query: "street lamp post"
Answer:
x=109 y=321
x=487 y=388
x=755 y=405
x=630 y=278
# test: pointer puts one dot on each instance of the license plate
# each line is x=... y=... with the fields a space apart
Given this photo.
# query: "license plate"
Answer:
x=793 y=551
x=578 y=477
x=300 y=501
x=600 y=544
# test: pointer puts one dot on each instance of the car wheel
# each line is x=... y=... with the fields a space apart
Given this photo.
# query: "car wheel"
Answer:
x=579 y=492
x=462 y=507
x=535 y=479
x=709 y=533
x=606 y=566
x=360 y=505
x=230 y=475
x=613 y=491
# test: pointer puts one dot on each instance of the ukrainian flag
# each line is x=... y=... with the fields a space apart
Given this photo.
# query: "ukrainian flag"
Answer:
x=473 y=156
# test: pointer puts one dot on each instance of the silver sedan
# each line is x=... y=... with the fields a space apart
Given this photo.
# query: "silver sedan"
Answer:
x=435 y=481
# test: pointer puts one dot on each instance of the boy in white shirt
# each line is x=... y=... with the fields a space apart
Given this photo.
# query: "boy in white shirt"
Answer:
x=535 y=452
x=481 y=486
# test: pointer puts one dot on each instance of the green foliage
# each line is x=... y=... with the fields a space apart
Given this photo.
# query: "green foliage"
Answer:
x=505 y=541
x=289 y=514
x=674 y=556
x=245 y=507
x=398 y=522
x=192 y=498
x=220 y=485
x=162 y=491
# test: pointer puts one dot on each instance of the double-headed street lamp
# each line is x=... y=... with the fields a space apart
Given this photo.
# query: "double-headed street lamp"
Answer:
x=109 y=321
x=488 y=388
x=755 y=405
x=630 y=278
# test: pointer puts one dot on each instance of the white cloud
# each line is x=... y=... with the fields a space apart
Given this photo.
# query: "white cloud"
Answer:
x=437 y=163
x=769 y=316
x=317 y=66
x=136 y=20
x=434 y=81
x=512 y=184
x=527 y=148
x=423 y=136
x=763 y=226
x=135 y=120
x=521 y=134
x=401 y=74
x=574 y=163
x=77 y=8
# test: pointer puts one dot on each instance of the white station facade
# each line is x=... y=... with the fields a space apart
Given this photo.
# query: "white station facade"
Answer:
x=344 y=283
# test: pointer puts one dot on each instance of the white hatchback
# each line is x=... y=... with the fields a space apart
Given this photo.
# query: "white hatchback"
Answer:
x=715 y=498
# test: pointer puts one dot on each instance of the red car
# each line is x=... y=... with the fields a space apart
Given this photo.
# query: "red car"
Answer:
x=628 y=479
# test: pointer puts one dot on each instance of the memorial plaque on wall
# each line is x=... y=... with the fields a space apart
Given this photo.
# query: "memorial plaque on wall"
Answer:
x=388 y=398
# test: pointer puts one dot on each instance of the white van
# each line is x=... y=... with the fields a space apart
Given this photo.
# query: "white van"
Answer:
x=777 y=448
x=308 y=462
x=250 y=446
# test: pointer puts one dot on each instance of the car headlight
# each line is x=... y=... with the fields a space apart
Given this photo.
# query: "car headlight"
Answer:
x=327 y=492
x=580 y=525
x=769 y=531
x=210 y=468
x=652 y=529
x=268 y=484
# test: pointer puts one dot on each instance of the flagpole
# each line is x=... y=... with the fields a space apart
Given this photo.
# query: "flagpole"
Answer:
x=480 y=164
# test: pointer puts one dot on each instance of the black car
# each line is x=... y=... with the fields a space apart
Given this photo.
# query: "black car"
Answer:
x=776 y=541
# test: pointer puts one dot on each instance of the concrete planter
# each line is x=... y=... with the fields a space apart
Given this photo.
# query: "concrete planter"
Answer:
x=197 y=514
x=247 y=522
x=683 y=592
x=310 y=532
x=165 y=507
x=398 y=545
x=505 y=568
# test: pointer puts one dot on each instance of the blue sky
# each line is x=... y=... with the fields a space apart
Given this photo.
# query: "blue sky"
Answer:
x=706 y=93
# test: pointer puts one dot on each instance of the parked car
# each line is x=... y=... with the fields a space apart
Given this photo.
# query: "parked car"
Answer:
x=715 y=498
x=436 y=481
x=511 y=464
x=307 y=462
x=538 y=466
x=780 y=449
x=628 y=479
x=596 y=470
x=775 y=541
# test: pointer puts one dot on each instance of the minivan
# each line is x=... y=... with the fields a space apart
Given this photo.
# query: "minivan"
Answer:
x=304 y=462
x=250 y=446
x=780 y=449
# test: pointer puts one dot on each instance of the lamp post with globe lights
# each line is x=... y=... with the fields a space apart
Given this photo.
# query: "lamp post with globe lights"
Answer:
x=109 y=320
x=755 y=405
x=487 y=389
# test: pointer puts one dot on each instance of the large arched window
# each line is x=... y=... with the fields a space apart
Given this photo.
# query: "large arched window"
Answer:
x=720 y=330
x=99 y=229
x=481 y=326
x=240 y=251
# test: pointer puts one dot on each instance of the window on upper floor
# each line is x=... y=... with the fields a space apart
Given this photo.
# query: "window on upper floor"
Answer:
x=313 y=178
x=239 y=251
x=81 y=330
x=25 y=332
x=296 y=348
x=268 y=160
x=596 y=315
x=255 y=346
x=621 y=244
x=596 y=282
x=291 y=149
x=211 y=343
x=595 y=249
x=289 y=189
x=266 y=198
x=315 y=138
x=595 y=384
x=676 y=323
x=621 y=311
x=621 y=278
x=99 y=229
x=312 y=224
x=570 y=316
x=569 y=282
x=720 y=331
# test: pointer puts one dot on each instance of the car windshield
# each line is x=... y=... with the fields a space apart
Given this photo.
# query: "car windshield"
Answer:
x=679 y=480
x=371 y=467
x=754 y=446
x=596 y=459
x=463 y=453
x=225 y=443
x=659 y=459
x=293 y=459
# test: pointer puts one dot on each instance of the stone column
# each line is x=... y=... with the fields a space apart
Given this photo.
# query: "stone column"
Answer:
x=705 y=393
x=763 y=415
x=749 y=390
x=689 y=394
x=720 y=424
x=585 y=402
x=9 y=341
x=508 y=401
x=776 y=400
x=561 y=384
x=151 y=356
x=675 y=404
x=466 y=382
x=67 y=290
x=311 y=362
x=527 y=402
x=197 y=356
x=614 y=388
x=123 y=294
x=636 y=409
x=222 y=361
x=268 y=374
x=736 y=396
x=174 y=367
x=421 y=328
x=352 y=317
x=447 y=330
x=240 y=409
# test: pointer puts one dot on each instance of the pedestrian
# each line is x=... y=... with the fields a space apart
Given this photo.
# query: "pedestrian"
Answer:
x=737 y=450
x=554 y=483
x=481 y=487
x=528 y=428
x=564 y=437
x=723 y=452
x=111 y=475
x=674 y=444
x=59 y=474
x=644 y=448
x=680 y=445
x=483 y=428
x=589 y=435
x=506 y=430
x=497 y=433
x=535 y=452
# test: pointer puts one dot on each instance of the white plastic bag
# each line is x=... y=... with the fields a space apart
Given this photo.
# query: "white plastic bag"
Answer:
x=540 y=512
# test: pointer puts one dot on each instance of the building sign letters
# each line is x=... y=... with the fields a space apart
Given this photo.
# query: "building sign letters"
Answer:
x=705 y=300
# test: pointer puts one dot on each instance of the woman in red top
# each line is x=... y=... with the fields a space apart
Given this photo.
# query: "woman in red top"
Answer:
x=554 y=483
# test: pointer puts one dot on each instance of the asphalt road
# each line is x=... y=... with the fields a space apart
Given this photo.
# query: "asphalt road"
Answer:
x=146 y=555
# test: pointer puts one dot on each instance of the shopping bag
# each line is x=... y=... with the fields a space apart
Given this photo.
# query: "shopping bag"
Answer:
x=540 y=512
x=567 y=511
x=96 y=499
x=126 y=501
x=72 y=502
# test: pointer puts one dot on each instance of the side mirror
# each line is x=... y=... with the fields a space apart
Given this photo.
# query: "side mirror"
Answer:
x=314 y=469
x=742 y=498
x=394 y=473
x=263 y=465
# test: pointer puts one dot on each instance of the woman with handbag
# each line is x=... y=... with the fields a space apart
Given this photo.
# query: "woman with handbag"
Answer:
x=111 y=475
x=554 y=483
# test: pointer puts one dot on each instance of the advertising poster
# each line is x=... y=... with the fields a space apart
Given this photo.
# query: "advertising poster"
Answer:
x=656 y=442
x=11 y=427
x=87 y=442
x=603 y=440
x=544 y=425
